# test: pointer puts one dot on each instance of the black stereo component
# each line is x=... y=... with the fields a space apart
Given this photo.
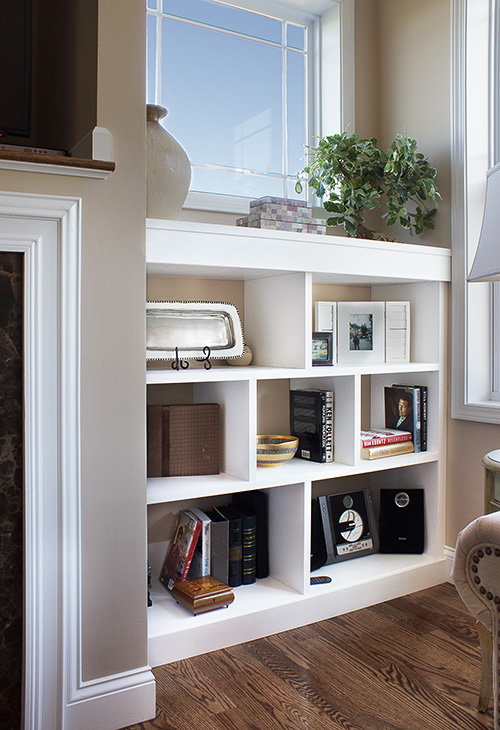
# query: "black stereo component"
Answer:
x=349 y=525
x=401 y=523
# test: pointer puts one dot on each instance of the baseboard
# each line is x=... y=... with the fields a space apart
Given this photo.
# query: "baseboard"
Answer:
x=113 y=702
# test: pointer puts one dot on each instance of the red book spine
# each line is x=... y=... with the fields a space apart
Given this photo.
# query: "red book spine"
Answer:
x=384 y=440
x=191 y=550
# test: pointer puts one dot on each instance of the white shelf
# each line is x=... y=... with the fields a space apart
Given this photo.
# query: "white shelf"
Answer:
x=158 y=375
x=274 y=274
x=269 y=606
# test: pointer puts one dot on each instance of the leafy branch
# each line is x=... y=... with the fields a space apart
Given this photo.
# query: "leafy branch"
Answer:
x=355 y=175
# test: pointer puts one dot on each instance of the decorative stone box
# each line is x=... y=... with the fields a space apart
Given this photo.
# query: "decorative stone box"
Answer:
x=282 y=214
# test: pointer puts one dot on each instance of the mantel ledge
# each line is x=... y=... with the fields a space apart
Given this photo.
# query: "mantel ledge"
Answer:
x=55 y=164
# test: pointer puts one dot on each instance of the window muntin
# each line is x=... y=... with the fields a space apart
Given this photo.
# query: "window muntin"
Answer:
x=239 y=105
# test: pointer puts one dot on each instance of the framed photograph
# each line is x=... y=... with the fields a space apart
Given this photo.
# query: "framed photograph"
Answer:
x=361 y=332
x=325 y=317
x=322 y=348
x=397 y=331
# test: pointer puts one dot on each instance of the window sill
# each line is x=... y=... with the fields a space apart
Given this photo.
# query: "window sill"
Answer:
x=483 y=412
x=55 y=164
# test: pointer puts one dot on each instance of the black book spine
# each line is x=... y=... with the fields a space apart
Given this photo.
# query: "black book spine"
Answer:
x=249 y=530
x=311 y=420
x=256 y=502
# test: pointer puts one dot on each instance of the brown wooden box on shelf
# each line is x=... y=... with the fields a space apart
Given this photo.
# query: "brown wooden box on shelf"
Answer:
x=199 y=595
x=183 y=440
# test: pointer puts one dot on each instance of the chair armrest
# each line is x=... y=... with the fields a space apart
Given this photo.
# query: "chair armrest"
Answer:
x=476 y=568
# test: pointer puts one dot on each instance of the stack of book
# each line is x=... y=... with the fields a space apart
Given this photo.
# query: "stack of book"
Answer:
x=406 y=410
x=381 y=442
x=229 y=543
x=311 y=420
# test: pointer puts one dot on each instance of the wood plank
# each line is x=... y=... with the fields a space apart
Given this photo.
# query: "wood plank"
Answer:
x=409 y=664
x=61 y=160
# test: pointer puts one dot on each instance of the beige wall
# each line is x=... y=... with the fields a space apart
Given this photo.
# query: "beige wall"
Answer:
x=403 y=51
x=112 y=389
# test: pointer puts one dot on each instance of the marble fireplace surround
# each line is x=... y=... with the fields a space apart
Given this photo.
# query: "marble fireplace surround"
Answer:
x=47 y=230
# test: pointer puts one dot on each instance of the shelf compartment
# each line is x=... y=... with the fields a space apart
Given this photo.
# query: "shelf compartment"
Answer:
x=269 y=607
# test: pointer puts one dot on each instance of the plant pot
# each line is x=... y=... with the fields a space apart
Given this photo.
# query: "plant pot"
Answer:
x=168 y=169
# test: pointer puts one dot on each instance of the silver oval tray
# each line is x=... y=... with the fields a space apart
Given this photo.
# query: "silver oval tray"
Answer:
x=190 y=327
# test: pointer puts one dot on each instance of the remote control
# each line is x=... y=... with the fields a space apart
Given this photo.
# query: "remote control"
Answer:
x=316 y=579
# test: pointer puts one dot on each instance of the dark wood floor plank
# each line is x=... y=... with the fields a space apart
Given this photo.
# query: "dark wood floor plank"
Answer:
x=409 y=664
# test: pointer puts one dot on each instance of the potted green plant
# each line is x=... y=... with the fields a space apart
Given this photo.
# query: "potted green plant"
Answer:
x=352 y=175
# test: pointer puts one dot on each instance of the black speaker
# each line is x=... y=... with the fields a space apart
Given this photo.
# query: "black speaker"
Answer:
x=318 y=548
x=401 y=523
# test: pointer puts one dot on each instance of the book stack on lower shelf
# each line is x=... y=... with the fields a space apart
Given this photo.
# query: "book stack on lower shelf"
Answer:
x=228 y=544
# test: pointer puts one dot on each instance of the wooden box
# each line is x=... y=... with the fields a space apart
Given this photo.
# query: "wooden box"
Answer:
x=199 y=595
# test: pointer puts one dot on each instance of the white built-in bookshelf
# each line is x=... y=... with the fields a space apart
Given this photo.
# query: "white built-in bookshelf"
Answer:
x=274 y=278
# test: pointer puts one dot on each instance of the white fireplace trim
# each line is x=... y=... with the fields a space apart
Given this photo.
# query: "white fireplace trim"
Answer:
x=47 y=229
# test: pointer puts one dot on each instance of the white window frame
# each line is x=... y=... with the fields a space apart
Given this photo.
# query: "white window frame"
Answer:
x=472 y=155
x=331 y=76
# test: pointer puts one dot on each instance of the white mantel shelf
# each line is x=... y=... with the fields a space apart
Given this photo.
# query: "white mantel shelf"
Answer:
x=229 y=251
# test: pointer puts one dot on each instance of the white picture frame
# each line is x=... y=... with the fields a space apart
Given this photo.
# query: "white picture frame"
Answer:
x=397 y=331
x=360 y=332
x=325 y=320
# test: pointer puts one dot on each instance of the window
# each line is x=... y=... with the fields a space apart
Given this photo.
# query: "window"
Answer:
x=245 y=102
x=475 y=309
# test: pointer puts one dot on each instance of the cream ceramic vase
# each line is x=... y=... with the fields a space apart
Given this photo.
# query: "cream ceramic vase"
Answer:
x=168 y=169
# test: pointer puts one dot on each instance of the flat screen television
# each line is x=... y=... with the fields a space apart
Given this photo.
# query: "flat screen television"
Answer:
x=15 y=68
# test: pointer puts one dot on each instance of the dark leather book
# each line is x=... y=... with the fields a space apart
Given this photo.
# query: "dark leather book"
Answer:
x=235 y=562
x=256 y=502
x=248 y=543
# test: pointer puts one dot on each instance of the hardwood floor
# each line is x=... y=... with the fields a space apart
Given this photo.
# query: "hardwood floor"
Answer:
x=409 y=664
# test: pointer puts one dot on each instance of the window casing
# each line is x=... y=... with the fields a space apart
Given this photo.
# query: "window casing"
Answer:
x=329 y=21
x=474 y=310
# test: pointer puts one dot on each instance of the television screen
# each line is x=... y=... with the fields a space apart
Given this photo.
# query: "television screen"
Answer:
x=15 y=68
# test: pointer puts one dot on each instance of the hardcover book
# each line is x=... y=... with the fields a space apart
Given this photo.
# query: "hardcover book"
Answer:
x=256 y=502
x=403 y=411
x=180 y=551
x=235 y=558
x=200 y=564
x=248 y=542
x=382 y=436
x=219 y=547
x=420 y=414
x=379 y=452
x=200 y=595
x=311 y=420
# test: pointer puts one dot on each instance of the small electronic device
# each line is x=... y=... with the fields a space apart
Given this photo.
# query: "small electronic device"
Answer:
x=318 y=579
x=349 y=525
x=402 y=523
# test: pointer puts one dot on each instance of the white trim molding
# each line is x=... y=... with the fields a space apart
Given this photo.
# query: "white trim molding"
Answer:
x=47 y=231
x=471 y=156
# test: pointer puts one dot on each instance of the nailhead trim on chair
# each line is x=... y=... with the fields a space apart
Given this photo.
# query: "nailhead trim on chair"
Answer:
x=490 y=597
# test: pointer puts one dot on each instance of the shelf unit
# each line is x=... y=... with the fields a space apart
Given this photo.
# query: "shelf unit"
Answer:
x=274 y=278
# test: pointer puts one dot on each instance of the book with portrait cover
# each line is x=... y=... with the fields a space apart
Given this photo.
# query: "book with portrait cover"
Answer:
x=311 y=420
x=403 y=411
x=180 y=551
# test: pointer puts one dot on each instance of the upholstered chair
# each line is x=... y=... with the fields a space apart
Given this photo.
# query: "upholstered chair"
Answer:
x=476 y=574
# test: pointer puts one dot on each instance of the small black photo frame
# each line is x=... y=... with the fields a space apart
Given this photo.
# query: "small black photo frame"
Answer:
x=322 y=348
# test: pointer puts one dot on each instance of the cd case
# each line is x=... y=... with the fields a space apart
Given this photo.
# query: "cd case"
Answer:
x=349 y=525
